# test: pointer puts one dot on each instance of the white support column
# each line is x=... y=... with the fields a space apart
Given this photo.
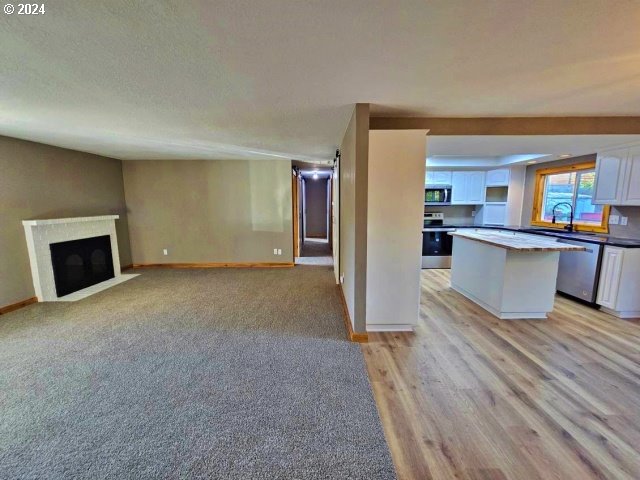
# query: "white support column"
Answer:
x=395 y=212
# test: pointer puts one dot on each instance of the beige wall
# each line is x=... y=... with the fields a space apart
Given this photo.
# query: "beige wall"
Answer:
x=40 y=181
x=209 y=211
x=394 y=228
x=354 y=152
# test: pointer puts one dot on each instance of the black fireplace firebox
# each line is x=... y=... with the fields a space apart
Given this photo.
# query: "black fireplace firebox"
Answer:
x=78 y=264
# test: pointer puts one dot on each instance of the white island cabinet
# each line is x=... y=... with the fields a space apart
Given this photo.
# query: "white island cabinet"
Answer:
x=511 y=275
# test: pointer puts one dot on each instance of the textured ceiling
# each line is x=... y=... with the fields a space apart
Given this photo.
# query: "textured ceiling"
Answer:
x=277 y=79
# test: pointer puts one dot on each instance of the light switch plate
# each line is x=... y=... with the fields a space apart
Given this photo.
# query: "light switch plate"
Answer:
x=614 y=219
x=624 y=220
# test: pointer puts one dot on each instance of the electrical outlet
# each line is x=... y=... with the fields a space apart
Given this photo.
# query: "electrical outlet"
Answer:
x=624 y=220
x=614 y=219
x=275 y=251
x=279 y=251
x=342 y=278
x=473 y=213
x=165 y=251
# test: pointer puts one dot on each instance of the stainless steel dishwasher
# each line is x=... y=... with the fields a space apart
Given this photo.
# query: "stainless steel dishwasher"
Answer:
x=579 y=272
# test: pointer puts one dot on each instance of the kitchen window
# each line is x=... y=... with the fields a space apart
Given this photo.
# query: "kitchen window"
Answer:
x=563 y=186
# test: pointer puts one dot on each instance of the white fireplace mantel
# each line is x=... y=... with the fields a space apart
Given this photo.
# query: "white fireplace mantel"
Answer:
x=41 y=233
x=56 y=221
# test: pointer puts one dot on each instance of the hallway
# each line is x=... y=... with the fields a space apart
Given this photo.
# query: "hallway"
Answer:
x=315 y=251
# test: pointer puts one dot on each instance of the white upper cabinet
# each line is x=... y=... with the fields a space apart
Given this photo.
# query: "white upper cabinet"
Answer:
x=467 y=188
x=631 y=184
x=459 y=187
x=437 y=178
x=498 y=178
x=475 y=187
x=611 y=170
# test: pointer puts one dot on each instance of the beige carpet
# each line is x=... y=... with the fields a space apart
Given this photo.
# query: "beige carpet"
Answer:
x=189 y=374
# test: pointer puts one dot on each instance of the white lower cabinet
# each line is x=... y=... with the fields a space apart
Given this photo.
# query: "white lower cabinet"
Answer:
x=620 y=282
x=610 y=276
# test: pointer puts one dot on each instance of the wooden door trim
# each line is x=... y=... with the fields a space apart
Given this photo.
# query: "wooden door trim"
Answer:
x=295 y=213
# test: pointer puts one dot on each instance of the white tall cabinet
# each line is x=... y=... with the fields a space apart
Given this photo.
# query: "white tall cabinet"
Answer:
x=618 y=177
x=503 y=197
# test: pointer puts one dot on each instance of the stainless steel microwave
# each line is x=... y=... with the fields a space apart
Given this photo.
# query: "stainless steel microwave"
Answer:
x=437 y=195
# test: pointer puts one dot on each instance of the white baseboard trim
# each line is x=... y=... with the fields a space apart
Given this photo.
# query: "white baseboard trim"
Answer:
x=497 y=313
x=623 y=314
x=391 y=327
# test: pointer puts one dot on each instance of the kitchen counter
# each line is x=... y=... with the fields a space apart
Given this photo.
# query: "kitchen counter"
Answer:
x=521 y=243
x=511 y=275
x=598 y=239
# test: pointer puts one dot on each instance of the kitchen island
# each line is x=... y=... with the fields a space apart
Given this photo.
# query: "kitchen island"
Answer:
x=512 y=275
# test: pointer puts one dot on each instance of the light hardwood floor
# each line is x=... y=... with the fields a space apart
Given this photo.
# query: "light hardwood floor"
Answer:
x=469 y=396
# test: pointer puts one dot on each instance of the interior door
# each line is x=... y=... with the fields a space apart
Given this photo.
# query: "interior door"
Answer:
x=294 y=202
x=335 y=219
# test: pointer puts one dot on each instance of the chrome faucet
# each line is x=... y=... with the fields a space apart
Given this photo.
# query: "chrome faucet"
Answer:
x=568 y=228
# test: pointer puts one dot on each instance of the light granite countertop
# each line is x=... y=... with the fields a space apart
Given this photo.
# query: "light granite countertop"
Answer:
x=521 y=243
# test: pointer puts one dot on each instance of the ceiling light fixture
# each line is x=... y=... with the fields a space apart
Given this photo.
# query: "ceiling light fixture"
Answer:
x=531 y=162
x=564 y=155
x=315 y=175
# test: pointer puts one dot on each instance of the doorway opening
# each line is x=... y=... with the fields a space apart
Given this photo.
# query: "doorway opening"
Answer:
x=314 y=229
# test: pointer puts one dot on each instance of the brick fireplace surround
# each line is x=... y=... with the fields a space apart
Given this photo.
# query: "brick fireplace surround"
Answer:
x=41 y=233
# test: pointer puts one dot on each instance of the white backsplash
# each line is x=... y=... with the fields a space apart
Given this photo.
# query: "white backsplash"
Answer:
x=455 y=214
